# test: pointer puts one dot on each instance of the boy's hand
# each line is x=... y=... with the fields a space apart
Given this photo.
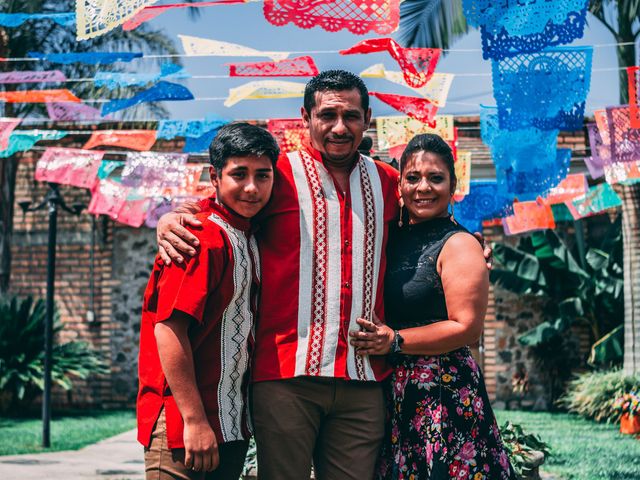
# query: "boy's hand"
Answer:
x=200 y=447
x=174 y=239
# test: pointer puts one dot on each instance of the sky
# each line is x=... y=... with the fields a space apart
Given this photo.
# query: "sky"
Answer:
x=245 y=24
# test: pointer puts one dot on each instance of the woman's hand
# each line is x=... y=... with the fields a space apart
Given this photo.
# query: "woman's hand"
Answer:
x=376 y=339
x=174 y=240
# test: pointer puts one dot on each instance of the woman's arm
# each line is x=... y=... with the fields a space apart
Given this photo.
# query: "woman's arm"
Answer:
x=465 y=280
x=173 y=239
x=176 y=358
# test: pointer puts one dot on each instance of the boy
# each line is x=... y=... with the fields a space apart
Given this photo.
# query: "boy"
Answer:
x=197 y=323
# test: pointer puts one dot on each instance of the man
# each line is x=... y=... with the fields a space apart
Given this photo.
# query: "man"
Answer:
x=322 y=242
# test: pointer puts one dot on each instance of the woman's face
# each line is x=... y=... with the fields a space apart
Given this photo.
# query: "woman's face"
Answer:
x=426 y=187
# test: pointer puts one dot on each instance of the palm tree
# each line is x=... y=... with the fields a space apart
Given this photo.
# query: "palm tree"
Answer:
x=437 y=23
x=47 y=36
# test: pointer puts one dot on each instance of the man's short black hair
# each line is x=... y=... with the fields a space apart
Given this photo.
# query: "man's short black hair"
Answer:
x=242 y=140
x=338 y=81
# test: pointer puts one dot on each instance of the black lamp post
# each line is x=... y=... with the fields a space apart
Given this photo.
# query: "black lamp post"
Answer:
x=52 y=201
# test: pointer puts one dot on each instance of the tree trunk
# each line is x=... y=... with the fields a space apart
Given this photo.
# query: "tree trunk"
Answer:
x=630 y=195
x=626 y=55
x=8 y=169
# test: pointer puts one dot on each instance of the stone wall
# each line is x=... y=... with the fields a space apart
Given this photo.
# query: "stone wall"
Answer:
x=133 y=254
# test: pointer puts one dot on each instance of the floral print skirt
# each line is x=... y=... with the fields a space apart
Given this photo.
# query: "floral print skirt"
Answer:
x=441 y=424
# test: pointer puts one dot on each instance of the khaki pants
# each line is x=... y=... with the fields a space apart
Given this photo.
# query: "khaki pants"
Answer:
x=163 y=463
x=337 y=423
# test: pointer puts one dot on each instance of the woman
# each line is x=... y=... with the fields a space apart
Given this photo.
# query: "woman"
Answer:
x=436 y=289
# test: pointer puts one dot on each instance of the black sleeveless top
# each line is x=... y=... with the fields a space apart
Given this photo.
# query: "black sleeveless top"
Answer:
x=413 y=293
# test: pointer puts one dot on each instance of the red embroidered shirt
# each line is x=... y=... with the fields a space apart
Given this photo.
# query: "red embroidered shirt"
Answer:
x=218 y=288
x=323 y=264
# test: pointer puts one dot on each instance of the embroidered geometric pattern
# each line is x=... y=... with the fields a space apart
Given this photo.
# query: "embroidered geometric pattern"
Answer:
x=359 y=17
x=369 y=254
x=319 y=268
x=526 y=88
x=237 y=323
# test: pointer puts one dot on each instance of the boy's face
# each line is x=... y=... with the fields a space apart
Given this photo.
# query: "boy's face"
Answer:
x=244 y=184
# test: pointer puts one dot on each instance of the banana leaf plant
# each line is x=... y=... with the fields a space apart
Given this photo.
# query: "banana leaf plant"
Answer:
x=586 y=290
x=22 y=356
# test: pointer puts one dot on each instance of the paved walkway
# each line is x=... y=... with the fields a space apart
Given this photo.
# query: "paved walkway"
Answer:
x=116 y=458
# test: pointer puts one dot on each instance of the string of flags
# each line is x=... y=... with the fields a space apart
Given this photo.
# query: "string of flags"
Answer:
x=531 y=63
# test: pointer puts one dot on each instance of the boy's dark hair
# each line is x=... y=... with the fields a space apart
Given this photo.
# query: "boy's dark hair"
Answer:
x=365 y=145
x=242 y=140
x=429 y=142
x=334 y=80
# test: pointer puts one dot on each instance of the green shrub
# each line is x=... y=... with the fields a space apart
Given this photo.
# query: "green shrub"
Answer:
x=592 y=395
x=22 y=353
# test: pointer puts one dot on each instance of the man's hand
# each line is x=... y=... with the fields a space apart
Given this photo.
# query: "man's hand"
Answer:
x=174 y=240
x=376 y=339
x=200 y=447
x=487 y=251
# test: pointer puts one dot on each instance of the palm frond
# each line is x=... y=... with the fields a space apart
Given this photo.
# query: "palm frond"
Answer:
x=431 y=23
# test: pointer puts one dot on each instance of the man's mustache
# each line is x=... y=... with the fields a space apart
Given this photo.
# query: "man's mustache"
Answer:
x=344 y=137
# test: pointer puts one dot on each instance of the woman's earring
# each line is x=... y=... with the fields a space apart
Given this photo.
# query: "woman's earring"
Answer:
x=453 y=219
x=400 y=223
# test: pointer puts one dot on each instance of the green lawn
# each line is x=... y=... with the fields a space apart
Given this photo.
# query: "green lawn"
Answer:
x=69 y=431
x=581 y=449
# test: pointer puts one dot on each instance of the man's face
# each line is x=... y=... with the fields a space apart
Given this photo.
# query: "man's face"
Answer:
x=336 y=125
x=244 y=184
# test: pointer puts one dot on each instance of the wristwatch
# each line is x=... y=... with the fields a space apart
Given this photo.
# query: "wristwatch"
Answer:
x=396 y=344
